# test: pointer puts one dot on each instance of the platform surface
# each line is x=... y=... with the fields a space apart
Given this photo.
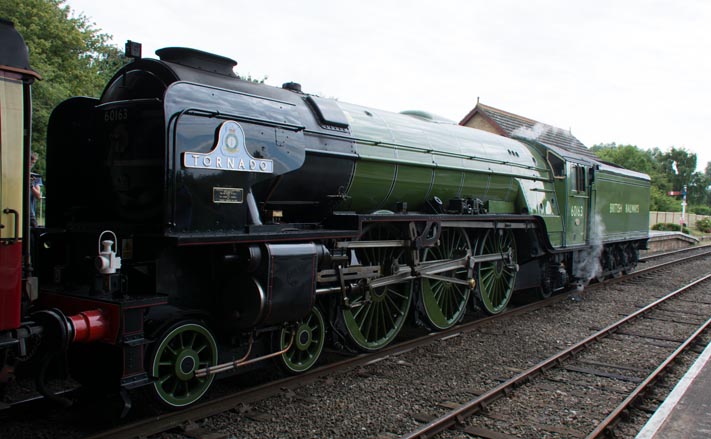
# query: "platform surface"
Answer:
x=686 y=413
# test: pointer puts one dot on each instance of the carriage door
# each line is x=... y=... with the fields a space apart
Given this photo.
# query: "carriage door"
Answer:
x=11 y=189
x=578 y=204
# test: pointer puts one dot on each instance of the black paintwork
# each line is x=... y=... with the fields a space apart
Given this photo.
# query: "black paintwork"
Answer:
x=13 y=50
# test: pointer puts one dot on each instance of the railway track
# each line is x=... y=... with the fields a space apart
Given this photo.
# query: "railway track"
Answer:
x=673 y=253
x=573 y=360
x=186 y=420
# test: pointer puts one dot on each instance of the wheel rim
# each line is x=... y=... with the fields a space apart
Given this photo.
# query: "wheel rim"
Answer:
x=372 y=324
x=183 y=350
x=308 y=342
x=496 y=278
x=444 y=303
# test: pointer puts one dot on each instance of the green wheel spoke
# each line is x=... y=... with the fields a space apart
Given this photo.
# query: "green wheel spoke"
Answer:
x=358 y=311
x=173 y=388
x=389 y=314
x=179 y=352
x=375 y=322
x=308 y=342
x=386 y=311
x=368 y=323
x=496 y=278
x=380 y=320
x=444 y=303
x=398 y=294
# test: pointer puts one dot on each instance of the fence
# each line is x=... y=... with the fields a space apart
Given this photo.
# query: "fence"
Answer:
x=674 y=217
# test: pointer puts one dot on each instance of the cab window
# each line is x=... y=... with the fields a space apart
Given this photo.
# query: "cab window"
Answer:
x=579 y=178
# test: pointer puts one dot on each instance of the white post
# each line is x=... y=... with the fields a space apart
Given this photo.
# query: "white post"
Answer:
x=683 y=208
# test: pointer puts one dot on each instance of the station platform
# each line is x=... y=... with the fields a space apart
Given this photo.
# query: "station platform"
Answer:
x=667 y=241
x=686 y=413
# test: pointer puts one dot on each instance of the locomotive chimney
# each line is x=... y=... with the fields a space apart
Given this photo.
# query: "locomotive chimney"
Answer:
x=292 y=86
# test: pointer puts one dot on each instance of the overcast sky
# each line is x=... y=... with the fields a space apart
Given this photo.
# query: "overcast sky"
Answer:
x=625 y=71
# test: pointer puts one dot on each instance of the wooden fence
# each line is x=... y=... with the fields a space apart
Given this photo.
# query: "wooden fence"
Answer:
x=674 y=217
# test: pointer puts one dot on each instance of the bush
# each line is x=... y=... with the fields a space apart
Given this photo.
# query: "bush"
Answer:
x=700 y=210
x=666 y=227
x=670 y=227
x=704 y=224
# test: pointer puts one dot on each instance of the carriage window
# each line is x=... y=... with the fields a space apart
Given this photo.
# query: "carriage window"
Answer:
x=580 y=178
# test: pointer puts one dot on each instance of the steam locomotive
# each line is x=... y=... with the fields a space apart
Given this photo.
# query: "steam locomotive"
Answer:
x=198 y=223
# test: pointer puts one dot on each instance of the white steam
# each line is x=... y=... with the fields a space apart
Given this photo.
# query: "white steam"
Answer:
x=537 y=131
x=588 y=262
x=531 y=133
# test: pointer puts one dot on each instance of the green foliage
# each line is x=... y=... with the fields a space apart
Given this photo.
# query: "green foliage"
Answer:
x=670 y=227
x=73 y=58
x=255 y=79
x=659 y=201
x=627 y=156
x=704 y=224
x=700 y=209
x=669 y=171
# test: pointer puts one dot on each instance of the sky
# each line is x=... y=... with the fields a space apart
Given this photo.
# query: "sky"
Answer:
x=632 y=72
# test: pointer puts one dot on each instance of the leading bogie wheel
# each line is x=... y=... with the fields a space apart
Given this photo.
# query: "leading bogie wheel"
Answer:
x=496 y=279
x=444 y=303
x=308 y=337
x=374 y=317
x=181 y=350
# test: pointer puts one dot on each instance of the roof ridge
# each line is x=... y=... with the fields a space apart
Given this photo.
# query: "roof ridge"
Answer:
x=510 y=114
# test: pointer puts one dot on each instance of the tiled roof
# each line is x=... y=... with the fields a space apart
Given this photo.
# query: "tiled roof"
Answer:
x=513 y=125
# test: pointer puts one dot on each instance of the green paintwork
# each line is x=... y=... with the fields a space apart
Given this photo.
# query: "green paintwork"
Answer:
x=577 y=209
x=495 y=206
x=554 y=226
x=402 y=158
x=374 y=318
x=182 y=350
x=308 y=342
x=408 y=185
x=496 y=279
x=370 y=186
x=447 y=184
x=622 y=203
x=413 y=158
x=445 y=302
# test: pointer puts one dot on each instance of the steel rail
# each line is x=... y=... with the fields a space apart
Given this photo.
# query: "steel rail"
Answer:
x=163 y=422
x=605 y=426
x=477 y=404
x=673 y=252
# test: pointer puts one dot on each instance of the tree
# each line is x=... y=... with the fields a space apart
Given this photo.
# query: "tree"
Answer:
x=627 y=156
x=652 y=162
x=680 y=165
x=73 y=58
